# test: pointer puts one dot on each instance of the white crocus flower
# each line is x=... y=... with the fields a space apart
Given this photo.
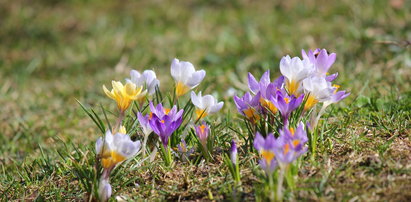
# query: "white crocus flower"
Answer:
x=116 y=148
x=317 y=89
x=104 y=190
x=185 y=76
x=148 y=80
x=295 y=70
x=205 y=105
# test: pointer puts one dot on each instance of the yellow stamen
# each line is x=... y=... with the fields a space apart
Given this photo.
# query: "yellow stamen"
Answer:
x=201 y=113
x=162 y=121
x=181 y=89
x=286 y=148
x=336 y=88
x=267 y=156
x=166 y=111
x=296 y=142
x=287 y=100
x=311 y=101
x=202 y=128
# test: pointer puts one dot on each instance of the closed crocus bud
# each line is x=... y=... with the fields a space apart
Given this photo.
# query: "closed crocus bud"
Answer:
x=202 y=132
x=104 y=190
x=233 y=152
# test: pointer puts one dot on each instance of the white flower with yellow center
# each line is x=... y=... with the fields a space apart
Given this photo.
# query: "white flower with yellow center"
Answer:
x=185 y=76
x=318 y=90
x=205 y=105
x=147 y=79
x=295 y=70
x=114 y=149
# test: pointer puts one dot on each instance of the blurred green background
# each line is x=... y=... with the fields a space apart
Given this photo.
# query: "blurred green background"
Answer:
x=52 y=52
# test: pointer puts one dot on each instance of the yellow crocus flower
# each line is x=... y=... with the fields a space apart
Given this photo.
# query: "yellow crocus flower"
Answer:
x=124 y=94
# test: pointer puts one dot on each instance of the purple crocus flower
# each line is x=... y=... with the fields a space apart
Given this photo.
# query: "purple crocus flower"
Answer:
x=265 y=88
x=266 y=149
x=233 y=152
x=286 y=103
x=290 y=144
x=249 y=106
x=184 y=151
x=164 y=122
x=202 y=132
x=322 y=62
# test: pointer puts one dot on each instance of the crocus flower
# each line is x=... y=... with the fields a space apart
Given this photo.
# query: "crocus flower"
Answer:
x=291 y=144
x=249 y=106
x=233 y=152
x=318 y=90
x=202 y=131
x=147 y=80
x=185 y=76
x=124 y=94
x=165 y=122
x=265 y=88
x=104 y=190
x=184 y=151
x=336 y=96
x=116 y=148
x=322 y=62
x=295 y=70
x=265 y=148
x=144 y=123
x=286 y=103
x=205 y=105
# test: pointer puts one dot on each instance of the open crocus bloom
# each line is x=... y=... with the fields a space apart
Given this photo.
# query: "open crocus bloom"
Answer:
x=265 y=88
x=318 y=89
x=295 y=70
x=286 y=103
x=148 y=80
x=116 y=148
x=265 y=148
x=249 y=106
x=205 y=105
x=291 y=144
x=164 y=122
x=185 y=76
x=322 y=62
x=202 y=131
x=124 y=94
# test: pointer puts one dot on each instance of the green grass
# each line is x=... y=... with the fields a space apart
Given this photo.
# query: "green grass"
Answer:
x=53 y=53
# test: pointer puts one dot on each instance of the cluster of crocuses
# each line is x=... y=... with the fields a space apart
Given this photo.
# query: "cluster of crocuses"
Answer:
x=137 y=112
x=275 y=112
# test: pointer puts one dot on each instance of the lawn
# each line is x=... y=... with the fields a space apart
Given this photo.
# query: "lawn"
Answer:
x=53 y=53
